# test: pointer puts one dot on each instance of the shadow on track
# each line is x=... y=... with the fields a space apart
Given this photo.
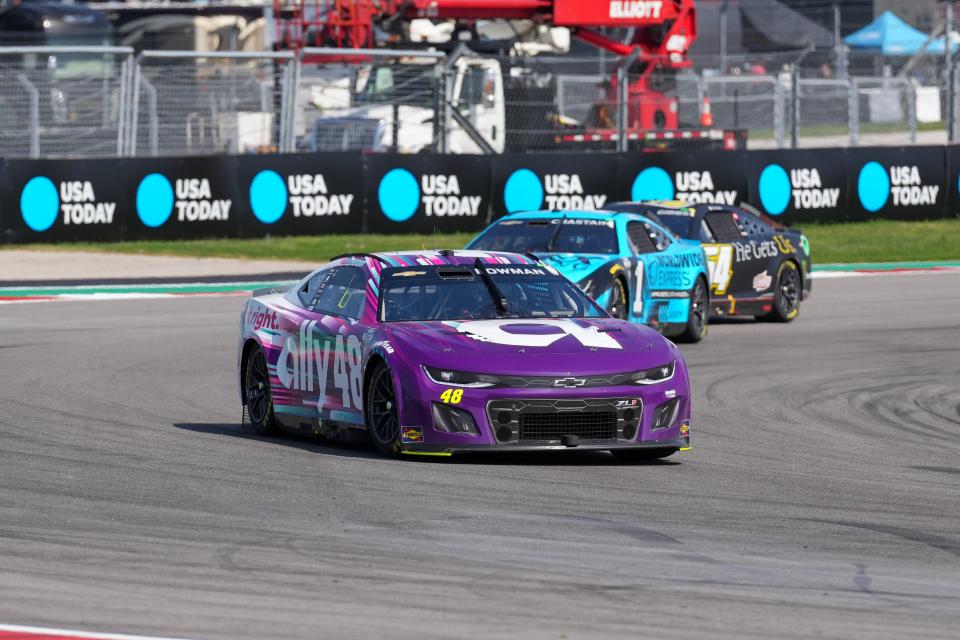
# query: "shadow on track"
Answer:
x=360 y=447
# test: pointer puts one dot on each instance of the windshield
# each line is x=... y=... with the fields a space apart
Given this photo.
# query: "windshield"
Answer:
x=466 y=293
x=561 y=235
x=411 y=85
x=676 y=220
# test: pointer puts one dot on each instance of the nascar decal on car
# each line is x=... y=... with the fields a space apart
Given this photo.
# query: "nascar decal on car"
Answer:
x=306 y=359
x=262 y=318
x=754 y=250
x=719 y=266
x=452 y=396
x=529 y=333
x=411 y=434
x=671 y=271
x=762 y=281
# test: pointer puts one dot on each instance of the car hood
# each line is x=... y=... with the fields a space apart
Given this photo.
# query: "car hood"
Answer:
x=532 y=346
x=576 y=267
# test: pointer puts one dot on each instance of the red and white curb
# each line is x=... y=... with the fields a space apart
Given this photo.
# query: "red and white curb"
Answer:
x=16 y=632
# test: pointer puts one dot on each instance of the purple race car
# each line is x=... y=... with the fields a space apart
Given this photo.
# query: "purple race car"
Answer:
x=437 y=352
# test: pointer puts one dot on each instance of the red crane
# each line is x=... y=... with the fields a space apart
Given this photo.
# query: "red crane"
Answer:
x=661 y=32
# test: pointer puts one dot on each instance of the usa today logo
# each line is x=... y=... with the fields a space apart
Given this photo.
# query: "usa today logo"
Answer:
x=400 y=195
x=76 y=200
x=802 y=186
x=524 y=191
x=902 y=184
x=654 y=183
x=306 y=193
x=191 y=198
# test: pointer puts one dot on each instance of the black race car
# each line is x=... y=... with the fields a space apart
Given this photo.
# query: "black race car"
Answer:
x=757 y=266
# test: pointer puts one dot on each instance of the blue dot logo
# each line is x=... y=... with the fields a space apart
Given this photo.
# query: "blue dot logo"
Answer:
x=873 y=186
x=268 y=196
x=399 y=195
x=774 y=189
x=523 y=191
x=39 y=203
x=653 y=183
x=154 y=200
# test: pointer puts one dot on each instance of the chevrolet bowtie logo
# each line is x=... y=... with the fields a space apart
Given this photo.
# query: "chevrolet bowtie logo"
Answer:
x=569 y=382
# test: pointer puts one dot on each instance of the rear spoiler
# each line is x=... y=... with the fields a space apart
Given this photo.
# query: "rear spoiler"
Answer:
x=266 y=291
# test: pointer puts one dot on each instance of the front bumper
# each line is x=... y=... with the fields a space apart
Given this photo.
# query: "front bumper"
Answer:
x=511 y=419
x=677 y=444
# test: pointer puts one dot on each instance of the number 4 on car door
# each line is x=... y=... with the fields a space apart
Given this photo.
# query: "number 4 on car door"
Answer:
x=719 y=266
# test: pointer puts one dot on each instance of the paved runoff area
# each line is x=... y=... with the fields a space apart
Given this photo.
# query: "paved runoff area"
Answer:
x=33 y=266
x=821 y=498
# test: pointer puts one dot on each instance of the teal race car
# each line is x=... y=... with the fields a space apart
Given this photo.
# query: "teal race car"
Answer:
x=632 y=266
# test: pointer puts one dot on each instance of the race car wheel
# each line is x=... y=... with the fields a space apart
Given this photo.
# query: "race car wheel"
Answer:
x=381 y=411
x=697 y=318
x=642 y=455
x=256 y=386
x=787 y=293
x=617 y=307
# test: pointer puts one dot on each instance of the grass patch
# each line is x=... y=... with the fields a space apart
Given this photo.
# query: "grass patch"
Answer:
x=884 y=241
x=875 y=241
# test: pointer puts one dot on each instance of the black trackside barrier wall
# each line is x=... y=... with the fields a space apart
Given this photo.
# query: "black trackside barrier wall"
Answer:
x=325 y=193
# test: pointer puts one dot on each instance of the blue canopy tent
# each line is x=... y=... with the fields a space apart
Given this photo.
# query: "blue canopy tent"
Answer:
x=891 y=36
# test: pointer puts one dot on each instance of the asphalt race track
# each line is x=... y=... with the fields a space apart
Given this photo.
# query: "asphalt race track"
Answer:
x=822 y=497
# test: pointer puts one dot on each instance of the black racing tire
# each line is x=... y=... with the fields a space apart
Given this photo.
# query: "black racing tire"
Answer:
x=256 y=390
x=698 y=318
x=619 y=305
x=643 y=455
x=788 y=291
x=380 y=411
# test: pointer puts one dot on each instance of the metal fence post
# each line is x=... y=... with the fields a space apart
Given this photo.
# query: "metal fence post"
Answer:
x=853 y=106
x=911 y=93
x=153 y=125
x=794 y=107
x=951 y=77
x=623 y=99
x=34 y=94
x=134 y=107
x=289 y=142
x=122 y=109
x=778 y=113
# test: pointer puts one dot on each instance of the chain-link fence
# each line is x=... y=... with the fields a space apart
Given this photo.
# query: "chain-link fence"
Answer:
x=189 y=103
x=357 y=100
x=63 y=102
x=749 y=102
x=101 y=101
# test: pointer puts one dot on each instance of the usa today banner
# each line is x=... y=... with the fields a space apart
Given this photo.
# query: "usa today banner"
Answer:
x=300 y=194
x=799 y=185
x=62 y=200
x=293 y=194
x=529 y=182
x=908 y=183
x=423 y=193
x=707 y=176
x=173 y=198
